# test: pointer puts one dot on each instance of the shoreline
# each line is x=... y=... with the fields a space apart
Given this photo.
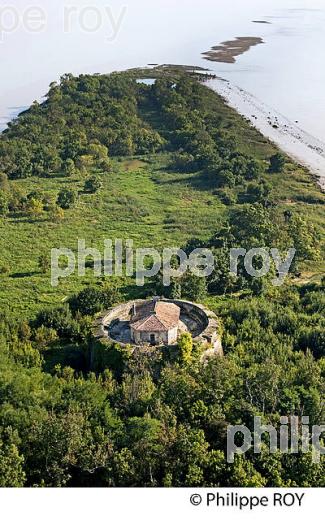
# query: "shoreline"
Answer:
x=298 y=144
x=302 y=147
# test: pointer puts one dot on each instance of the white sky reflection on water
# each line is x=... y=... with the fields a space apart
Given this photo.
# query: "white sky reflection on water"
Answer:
x=287 y=72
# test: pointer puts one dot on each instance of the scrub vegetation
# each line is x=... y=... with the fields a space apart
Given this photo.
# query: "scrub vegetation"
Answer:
x=163 y=164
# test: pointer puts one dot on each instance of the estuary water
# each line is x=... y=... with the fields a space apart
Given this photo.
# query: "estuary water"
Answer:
x=286 y=71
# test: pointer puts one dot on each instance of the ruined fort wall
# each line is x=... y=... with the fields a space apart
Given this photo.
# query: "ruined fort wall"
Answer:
x=206 y=328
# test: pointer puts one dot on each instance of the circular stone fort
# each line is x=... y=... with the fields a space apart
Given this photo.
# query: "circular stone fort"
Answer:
x=158 y=322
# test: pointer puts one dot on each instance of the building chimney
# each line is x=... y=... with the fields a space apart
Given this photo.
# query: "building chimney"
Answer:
x=155 y=300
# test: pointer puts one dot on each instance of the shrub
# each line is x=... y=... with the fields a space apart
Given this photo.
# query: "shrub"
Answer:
x=185 y=347
x=44 y=263
x=4 y=270
x=56 y=213
x=4 y=205
x=227 y=196
x=4 y=183
x=66 y=198
x=92 y=185
x=59 y=319
x=183 y=162
x=277 y=163
x=258 y=192
x=34 y=207
x=44 y=337
x=85 y=162
x=68 y=167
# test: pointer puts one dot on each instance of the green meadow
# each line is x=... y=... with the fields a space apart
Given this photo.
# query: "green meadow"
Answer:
x=141 y=200
x=142 y=197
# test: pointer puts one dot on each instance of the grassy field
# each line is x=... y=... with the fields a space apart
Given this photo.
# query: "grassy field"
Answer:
x=139 y=201
x=143 y=200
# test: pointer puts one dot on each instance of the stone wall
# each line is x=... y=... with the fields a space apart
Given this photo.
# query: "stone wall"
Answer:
x=145 y=337
x=172 y=336
x=210 y=330
x=200 y=321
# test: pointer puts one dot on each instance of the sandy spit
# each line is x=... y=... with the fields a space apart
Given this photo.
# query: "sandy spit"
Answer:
x=288 y=136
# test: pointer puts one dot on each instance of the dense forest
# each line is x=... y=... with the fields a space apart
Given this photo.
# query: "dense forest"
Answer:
x=161 y=162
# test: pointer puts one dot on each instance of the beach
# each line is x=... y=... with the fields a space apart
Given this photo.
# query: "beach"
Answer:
x=287 y=135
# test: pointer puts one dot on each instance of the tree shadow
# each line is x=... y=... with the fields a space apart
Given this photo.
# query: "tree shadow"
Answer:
x=200 y=181
x=23 y=275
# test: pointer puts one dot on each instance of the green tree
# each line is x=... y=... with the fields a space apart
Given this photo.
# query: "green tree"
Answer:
x=85 y=163
x=98 y=151
x=110 y=294
x=66 y=198
x=23 y=352
x=193 y=287
x=11 y=462
x=253 y=170
x=243 y=474
x=44 y=337
x=305 y=238
x=258 y=192
x=88 y=302
x=68 y=167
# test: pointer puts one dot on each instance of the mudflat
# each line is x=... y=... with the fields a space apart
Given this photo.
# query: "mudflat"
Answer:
x=227 y=51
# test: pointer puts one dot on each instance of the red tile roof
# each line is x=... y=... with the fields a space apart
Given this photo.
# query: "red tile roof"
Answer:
x=155 y=316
